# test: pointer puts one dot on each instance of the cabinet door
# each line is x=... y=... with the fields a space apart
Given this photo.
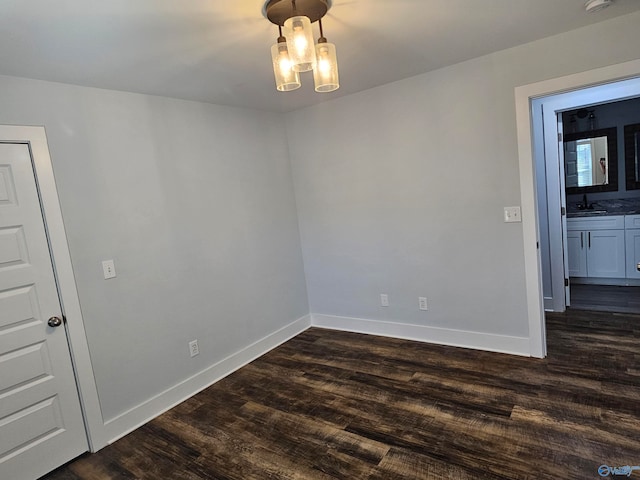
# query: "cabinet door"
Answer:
x=577 y=253
x=633 y=253
x=606 y=254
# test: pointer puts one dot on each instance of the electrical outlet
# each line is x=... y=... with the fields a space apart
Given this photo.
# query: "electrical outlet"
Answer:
x=108 y=269
x=384 y=300
x=193 y=348
x=422 y=303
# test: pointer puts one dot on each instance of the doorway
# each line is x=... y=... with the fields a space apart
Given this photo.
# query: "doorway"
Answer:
x=601 y=161
x=528 y=121
x=577 y=222
x=44 y=419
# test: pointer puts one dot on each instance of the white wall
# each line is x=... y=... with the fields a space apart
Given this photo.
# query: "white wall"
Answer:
x=400 y=189
x=195 y=204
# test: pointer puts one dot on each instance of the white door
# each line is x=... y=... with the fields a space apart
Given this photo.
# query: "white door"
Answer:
x=41 y=424
x=563 y=204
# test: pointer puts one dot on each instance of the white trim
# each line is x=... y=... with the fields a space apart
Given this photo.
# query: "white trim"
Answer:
x=130 y=420
x=35 y=136
x=523 y=96
x=422 y=333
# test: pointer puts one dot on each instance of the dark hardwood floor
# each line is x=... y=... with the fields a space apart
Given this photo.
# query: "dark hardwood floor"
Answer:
x=333 y=405
x=605 y=298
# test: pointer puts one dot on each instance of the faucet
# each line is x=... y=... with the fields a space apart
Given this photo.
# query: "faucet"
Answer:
x=585 y=205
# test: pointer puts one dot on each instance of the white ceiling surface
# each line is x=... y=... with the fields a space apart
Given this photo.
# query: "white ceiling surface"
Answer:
x=218 y=51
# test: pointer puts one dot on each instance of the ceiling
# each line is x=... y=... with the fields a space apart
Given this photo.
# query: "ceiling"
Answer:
x=218 y=51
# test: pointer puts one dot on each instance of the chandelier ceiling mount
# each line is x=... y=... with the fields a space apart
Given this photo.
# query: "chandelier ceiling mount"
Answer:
x=278 y=11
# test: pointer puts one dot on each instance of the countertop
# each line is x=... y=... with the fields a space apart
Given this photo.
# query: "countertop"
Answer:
x=622 y=206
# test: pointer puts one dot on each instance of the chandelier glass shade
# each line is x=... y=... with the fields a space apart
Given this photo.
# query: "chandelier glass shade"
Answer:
x=295 y=51
x=302 y=52
x=287 y=78
x=325 y=75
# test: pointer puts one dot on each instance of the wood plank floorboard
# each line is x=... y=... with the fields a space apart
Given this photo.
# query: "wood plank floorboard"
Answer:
x=336 y=405
x=605 y=298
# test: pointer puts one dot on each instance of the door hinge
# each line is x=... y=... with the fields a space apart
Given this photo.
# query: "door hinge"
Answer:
x=566 y=282
x=538 y=247
x=559 y=136
x=563 y=211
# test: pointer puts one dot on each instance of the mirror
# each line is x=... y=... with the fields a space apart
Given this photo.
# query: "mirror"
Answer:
x=632 y=155
x=587 y=162
x=591 y=161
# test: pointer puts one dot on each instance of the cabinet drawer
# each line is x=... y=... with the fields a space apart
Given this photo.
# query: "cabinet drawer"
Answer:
x=606 y=222
x=631 y=221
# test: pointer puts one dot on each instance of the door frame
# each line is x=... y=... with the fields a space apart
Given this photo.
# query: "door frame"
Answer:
x=553 y=157
x=524 y=95
x=35 y=138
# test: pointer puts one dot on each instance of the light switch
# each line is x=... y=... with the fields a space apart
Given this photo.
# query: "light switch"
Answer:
x=512 y=214
x=422 y=303
x=108 y=269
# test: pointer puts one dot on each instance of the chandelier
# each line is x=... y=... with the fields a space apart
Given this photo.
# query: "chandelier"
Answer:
x=295 y=51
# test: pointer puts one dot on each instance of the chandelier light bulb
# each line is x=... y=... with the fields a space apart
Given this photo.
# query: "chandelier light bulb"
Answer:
x=300 y=43
x=284 y=63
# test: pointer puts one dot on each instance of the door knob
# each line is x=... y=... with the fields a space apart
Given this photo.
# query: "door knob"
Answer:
x=54 y=322
x=638 y=267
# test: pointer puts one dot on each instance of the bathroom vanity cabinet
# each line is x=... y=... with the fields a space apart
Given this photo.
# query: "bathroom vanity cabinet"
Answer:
x=597 y=247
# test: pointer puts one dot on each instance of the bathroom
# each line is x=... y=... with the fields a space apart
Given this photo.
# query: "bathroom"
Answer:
x=602 y=187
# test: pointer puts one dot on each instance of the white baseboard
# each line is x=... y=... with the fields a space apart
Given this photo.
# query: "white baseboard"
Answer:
x=132 y=419
x=128 y=421
x=421 y=333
